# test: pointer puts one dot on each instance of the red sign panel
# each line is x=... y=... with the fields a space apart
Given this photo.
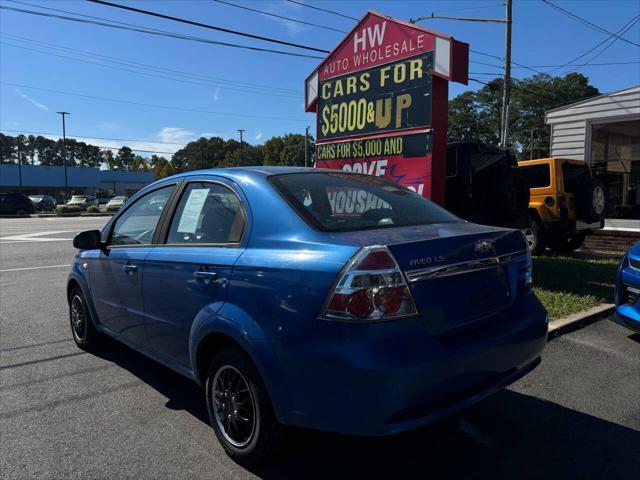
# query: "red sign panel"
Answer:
x=374 y=42
x=404 y=159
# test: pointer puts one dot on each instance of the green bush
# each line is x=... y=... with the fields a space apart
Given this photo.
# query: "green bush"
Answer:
x=93 y=209
x=69 y=209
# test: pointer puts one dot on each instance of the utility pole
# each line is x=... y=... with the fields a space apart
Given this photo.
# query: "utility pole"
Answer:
x=531 y=144
x=19 y=166
x=306 y=147
x=241 y=130
x=64 y=155
x=506 y=90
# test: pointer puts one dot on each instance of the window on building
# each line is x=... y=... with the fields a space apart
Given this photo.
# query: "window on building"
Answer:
x=615 y=157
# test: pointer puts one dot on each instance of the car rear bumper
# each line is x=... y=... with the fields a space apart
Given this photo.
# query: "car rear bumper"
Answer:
x=381 y=379
x=564 y=226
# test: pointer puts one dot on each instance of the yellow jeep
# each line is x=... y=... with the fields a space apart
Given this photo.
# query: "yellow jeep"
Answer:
x=566 y=203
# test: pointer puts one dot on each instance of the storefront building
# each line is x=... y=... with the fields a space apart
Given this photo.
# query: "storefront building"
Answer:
x=38 y=179
x=604 y=131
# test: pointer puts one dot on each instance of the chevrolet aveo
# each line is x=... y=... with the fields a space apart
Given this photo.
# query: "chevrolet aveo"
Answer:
x=314 y=298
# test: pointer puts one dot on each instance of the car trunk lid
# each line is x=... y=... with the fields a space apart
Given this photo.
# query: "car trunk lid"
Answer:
x=459 y=273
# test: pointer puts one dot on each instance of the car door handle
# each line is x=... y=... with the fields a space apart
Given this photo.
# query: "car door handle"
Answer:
x=205 y=277
x=130 y=269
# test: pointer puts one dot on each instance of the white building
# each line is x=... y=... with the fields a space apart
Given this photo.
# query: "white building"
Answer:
x=604 y=131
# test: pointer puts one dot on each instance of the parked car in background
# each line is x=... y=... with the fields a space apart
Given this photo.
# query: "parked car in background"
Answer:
x=15 y=204
x=627 y=290
x=484 y=185
x=83 y=201
x=43 y=203
x=115 y=203
x=566 y=204
x=315 y=298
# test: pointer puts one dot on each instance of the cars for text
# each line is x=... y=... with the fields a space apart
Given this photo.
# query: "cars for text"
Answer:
x=15 y=204
x=313 y=298
x=627 y=290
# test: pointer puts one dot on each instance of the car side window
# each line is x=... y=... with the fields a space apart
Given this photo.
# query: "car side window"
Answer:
x=138 y=223
x=207 y=213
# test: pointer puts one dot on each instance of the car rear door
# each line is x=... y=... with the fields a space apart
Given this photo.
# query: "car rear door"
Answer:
x=187 y=274
x=117 y=271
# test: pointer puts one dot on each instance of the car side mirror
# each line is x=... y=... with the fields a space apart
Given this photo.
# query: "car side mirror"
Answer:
x=88 y=240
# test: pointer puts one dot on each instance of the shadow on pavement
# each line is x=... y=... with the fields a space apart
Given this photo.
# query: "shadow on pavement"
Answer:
x=509 y=435
x=183 y=394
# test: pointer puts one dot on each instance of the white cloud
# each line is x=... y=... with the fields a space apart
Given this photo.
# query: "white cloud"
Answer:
x=175 y=135
x=216 y=94
x=32 y=101
x=258 y=136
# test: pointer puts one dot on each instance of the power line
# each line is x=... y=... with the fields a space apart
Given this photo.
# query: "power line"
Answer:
x=323 y=10
x=96 y=138
x=613 y=39
x=586 y=22
x=206 y=25
x=471 y=8
x=282 y=17
x=156 y=32
x=628 y=25
x=124 y=61
x=583 y=64
x=244 y=90
x=152 y=105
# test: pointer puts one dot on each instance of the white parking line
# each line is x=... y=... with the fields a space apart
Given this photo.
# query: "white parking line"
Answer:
x=37 y=241
x=35 y=268
x=36 y=237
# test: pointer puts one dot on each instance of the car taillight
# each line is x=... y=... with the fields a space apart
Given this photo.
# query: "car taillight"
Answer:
x=370 y=287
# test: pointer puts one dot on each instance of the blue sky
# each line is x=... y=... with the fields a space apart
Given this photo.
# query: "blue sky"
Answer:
x=226 y=88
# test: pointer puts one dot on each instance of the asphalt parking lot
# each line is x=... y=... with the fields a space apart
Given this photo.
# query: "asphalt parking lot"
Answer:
x=69 y=414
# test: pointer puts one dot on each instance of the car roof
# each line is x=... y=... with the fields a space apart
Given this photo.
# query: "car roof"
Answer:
x=255 y=171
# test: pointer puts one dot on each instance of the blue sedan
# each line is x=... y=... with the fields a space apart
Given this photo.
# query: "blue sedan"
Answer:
x=627 y=290
x=314 y=298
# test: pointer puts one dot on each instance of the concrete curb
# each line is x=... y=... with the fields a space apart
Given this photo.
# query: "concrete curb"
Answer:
x=578 y=320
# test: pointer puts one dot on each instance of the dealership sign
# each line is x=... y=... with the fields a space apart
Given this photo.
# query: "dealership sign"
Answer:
x=381 y=101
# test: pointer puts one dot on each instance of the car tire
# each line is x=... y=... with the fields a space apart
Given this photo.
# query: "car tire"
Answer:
x=240 y=410
x=591 y=201
x=83 y=329
x=535 y=236
x=568 y=243
x=20 y=212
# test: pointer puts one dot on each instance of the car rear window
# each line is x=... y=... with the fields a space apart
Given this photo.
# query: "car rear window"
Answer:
x=537 y=175
x=343 y=202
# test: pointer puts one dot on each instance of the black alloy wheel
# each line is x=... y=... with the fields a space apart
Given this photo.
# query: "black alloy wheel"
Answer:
x=240 y=410
x=82 y=328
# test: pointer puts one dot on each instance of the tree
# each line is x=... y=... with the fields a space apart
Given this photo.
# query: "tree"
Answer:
x=125 y=159
x=475 y=116
x=109 y=159
x=273 y=150
x=287 y=150
x=161 y=167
